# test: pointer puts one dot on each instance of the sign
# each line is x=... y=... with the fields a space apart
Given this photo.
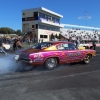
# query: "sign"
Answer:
x=50 y=32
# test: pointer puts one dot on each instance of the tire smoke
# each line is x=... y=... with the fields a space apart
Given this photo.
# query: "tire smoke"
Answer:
x=8 y=64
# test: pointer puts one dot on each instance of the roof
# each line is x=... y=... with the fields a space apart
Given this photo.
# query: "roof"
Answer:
x=79 y=26
x=43 y=9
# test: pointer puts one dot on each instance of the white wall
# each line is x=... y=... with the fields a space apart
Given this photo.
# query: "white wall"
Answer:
x=46 y=32
x=27 y=14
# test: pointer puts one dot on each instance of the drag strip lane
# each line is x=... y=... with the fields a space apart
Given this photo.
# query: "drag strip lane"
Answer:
x=57 y=72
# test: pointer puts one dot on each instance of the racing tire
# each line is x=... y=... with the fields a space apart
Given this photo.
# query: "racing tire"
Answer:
x=87 y=59
x=50 y=63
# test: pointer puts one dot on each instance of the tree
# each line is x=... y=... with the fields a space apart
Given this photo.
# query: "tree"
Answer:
x=6 y=30
x=56 y=36
x=18 y=32
x=60 y=36
x=52 y=36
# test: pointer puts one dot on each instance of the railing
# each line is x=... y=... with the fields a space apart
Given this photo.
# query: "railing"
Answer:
x=26 y=34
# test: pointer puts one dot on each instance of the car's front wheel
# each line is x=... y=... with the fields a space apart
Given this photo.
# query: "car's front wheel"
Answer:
x=50 y=63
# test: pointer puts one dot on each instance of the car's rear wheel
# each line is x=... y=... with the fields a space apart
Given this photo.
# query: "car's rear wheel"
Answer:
x=50 y=63
x=87 y=59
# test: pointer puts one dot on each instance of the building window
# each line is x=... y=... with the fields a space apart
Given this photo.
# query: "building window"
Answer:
x=35 y=15
x=41 y=15
x=49 y=28
x=57 y=20
x=46 y=17
x=43 y=36
x=53 y=19
x=36 y=26
x=49 y=18
x=42 y=27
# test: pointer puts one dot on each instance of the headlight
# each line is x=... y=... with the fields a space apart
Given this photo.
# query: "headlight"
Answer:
x=16 y=57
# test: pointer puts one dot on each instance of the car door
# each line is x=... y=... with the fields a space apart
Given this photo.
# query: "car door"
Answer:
x=72 y=53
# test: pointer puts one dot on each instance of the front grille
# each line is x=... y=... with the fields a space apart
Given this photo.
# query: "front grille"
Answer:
x=25 y=59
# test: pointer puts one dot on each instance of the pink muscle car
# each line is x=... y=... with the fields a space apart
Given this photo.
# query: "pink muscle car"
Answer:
x=52 y=53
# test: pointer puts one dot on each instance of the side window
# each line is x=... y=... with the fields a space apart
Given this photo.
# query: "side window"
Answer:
x=60 y=47
x=71 y=46
x=45 y=45
x=66 y=46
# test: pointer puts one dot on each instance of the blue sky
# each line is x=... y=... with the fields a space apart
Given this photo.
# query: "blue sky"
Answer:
x=72 y=10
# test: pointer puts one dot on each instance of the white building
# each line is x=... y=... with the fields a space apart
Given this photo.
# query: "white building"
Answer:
x=42 y=22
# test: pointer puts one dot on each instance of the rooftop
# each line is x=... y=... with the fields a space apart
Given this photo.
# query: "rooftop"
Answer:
x=43 y=9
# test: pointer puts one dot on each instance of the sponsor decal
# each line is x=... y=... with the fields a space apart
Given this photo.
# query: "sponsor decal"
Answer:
x=77 y=54
x=38 y=57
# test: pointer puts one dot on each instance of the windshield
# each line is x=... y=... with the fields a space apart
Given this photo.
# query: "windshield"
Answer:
x=42 y=45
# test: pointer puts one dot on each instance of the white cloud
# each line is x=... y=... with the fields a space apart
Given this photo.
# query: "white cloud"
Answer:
x=84 y=17
x=80 y=17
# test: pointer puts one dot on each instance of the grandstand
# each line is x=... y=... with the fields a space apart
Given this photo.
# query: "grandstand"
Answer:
x=83 y=32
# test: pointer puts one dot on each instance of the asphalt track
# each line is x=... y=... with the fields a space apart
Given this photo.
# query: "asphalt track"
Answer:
x=66 y=82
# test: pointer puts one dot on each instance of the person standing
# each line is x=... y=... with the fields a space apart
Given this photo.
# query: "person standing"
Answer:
x=15 y=44
x=70 y=39
x=55 y=38
x=94 y=45
x=19 y=45
x=77 y=42
x=29 y=41
x=1 y=44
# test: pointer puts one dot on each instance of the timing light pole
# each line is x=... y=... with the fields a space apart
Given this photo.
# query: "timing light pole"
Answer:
x=87 y=17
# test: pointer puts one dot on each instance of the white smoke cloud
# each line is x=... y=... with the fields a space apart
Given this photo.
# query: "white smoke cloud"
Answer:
x=6 y=63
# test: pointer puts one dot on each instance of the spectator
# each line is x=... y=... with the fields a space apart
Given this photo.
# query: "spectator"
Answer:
x=94 y=45
x=19 y=45
x=15 y=44
x=28 y=41
x=70 y=39
x=77 y=42
x=55 y=39
x=1 y=44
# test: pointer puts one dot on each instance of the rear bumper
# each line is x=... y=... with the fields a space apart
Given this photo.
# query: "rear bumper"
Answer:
x=18 y=58
x=30 y=62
